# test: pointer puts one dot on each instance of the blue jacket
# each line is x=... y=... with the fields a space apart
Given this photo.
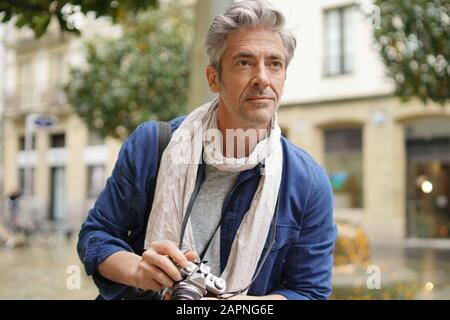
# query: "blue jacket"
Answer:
x=300 y=262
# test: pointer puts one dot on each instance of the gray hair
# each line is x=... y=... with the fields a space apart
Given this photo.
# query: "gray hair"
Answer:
x=246 y=14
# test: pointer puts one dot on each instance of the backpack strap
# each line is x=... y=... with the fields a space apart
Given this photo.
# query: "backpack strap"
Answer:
x=164 y=135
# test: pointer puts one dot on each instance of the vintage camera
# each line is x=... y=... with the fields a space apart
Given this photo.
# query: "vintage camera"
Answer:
x=197 y=283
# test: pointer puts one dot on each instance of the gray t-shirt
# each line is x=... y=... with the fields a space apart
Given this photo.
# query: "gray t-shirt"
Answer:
x=207 y=210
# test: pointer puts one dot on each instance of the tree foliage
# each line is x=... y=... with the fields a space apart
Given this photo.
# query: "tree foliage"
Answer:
x=37 y=14
x=414 y=37
x=140 y=76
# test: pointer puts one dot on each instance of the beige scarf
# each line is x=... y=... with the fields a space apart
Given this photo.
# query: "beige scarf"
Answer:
x=176 y=180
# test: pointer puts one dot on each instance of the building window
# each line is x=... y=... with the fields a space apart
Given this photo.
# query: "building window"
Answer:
x=343 y=160
x=22 y=178
x=57 y=71
x=22 y=143
x=25 y=82
x=58 y=140
x=95 y=139
x=96 y=180
x=338 y=54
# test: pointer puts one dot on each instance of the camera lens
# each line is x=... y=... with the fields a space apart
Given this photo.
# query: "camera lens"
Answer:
x=186 y=294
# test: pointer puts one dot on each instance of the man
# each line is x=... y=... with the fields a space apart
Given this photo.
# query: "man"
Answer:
x=263 y=214
x=14 y=203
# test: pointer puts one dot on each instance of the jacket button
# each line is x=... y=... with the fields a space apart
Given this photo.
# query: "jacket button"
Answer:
x=129 y=232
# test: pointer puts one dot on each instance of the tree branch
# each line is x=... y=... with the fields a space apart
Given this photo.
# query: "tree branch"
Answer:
x=23 y=5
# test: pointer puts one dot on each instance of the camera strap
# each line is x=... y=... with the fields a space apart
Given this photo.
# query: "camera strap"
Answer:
x=205 y=249
x=198 y=182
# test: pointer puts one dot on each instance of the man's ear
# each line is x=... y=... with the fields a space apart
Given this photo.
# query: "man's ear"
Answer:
x=213 y=78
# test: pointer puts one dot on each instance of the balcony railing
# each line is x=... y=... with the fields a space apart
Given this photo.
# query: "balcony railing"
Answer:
x=26 y=98
x=12 y=103
x=22 y=100
x=54 y=98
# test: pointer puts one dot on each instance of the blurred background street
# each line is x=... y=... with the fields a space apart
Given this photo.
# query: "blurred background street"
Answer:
x=40 y=271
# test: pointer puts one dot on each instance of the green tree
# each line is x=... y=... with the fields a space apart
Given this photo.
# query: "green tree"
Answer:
x=414 y=38
x=141 y=75
x=37 y=14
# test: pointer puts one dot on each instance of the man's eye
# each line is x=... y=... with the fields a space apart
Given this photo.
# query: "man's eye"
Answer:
x=243 y=63
x=277 y=64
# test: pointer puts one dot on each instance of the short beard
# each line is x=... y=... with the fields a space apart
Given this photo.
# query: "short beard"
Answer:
x=251 y=120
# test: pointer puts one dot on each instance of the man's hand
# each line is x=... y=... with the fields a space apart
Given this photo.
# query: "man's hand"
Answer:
x=155 y=270
x=151 y=271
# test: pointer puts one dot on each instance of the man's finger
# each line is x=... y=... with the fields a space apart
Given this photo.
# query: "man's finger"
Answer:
x=162 y=262
x=161 y=277
x=169 y=249
x=192 y=256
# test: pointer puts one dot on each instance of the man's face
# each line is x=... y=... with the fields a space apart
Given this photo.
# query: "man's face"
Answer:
x=252 y=77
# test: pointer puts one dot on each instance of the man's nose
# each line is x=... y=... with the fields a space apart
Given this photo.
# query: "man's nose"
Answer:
x=260 y=79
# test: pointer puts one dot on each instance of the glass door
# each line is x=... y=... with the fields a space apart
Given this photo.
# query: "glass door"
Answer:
x=57 y=204
x=428 y=193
